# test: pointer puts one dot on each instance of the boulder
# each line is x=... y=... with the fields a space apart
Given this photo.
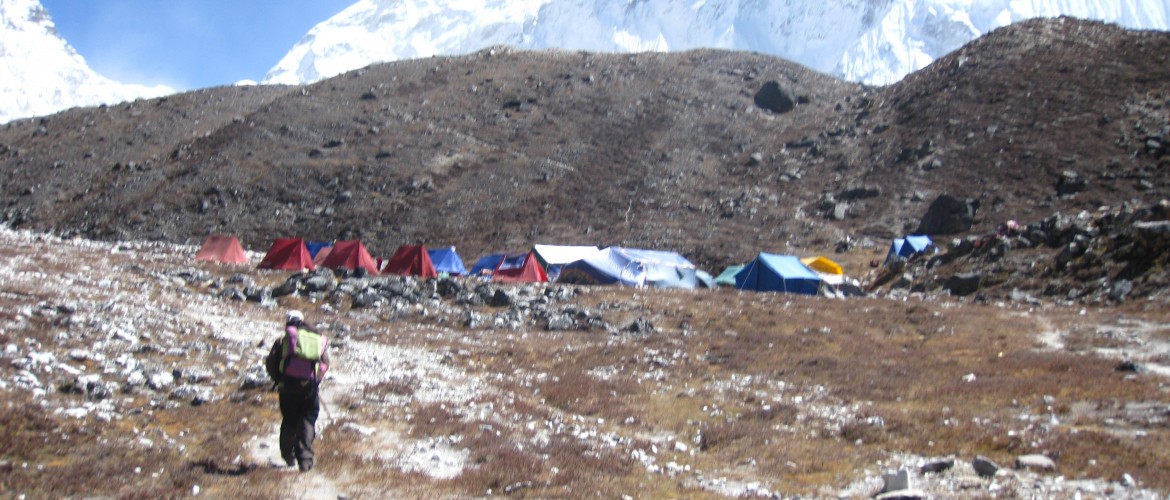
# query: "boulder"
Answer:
x=896 y=481
x=984 y=466
x=963 y=284
x=1070 y=183
x=938 y=466
x=948 y=215
x=775 y=98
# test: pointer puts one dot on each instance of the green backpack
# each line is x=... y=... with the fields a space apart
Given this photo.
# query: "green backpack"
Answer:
x=303 y=349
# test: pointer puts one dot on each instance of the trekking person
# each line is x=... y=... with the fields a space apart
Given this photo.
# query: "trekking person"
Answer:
x=297 y=362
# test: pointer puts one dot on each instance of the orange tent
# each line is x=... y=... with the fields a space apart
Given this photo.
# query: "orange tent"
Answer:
x=289 y=254
x=349 y=254
x=222 y=248
x=411 y=260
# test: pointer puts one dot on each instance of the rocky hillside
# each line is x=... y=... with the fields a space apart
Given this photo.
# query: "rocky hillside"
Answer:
x=718 y=155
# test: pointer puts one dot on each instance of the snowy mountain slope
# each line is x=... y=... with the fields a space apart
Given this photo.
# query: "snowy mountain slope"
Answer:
x=871 y=41
x=41 y=74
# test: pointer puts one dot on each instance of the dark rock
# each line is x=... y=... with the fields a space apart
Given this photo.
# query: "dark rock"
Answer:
x=774 y=98
x=448 y=287
x=860 y=192
x=1070 y=183
x=1128 y=366
x=963 y=284
x=984 y=466
x=501 y=299
x=640 y=325
x=948 y=215
x=259 y=294
x=289 y=287
x=938 y=466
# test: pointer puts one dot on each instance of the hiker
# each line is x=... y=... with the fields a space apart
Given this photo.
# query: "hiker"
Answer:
x=297 y=362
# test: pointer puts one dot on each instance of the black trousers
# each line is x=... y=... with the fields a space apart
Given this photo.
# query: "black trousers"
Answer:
x=299 y=405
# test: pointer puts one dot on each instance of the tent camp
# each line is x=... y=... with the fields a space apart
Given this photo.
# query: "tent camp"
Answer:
x=447 y=261
x=221 y=248
x=518 y=268
x=288 y=254
x=632 y=267
x=830 y=272
x=904 y=248
x=351 y=255
x=554 y=257
x=411 y=260
x=727 y=277
x=777 y=273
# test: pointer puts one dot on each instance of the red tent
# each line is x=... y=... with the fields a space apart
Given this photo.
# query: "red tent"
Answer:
x=319 y=259
x=411 y=260
x=522 y=267
x=349 y=254
x=221 y=248
x=288 y=254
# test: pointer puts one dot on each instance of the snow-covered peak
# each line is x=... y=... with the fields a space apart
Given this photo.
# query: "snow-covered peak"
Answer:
x=871 y=41
x=41 y=74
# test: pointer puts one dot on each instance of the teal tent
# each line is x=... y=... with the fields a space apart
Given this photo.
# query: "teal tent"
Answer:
x=727 y=277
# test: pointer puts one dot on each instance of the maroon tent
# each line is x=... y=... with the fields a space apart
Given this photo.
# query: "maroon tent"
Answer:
x=411 y=260
x=349 y=254
x=289 y=254
x=221 y=248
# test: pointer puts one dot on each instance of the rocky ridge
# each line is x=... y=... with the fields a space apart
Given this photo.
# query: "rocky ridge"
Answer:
x=502 y=149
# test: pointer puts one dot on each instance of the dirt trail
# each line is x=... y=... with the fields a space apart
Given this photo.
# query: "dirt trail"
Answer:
x=264 y=450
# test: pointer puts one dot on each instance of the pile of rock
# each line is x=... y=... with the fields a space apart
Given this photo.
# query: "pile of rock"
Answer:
x=1110 y=257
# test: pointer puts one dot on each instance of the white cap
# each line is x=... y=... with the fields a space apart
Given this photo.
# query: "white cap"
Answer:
x=295 y=316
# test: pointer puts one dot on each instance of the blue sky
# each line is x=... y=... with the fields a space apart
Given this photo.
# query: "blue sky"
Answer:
x=186 y=44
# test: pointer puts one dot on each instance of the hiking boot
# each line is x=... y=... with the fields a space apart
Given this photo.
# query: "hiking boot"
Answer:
x=306 y=465
x=290 y=461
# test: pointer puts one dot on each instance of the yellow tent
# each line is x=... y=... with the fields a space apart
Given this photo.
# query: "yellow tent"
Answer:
x=831 y=272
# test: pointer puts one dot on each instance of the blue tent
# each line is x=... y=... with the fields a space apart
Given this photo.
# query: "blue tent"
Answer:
x=904 y=248
x=632 y=267
x=487 y=263
x=778 y=273
x=447 y=261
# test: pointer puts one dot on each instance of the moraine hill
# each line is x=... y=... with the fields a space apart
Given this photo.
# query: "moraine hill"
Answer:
x=501 y=149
